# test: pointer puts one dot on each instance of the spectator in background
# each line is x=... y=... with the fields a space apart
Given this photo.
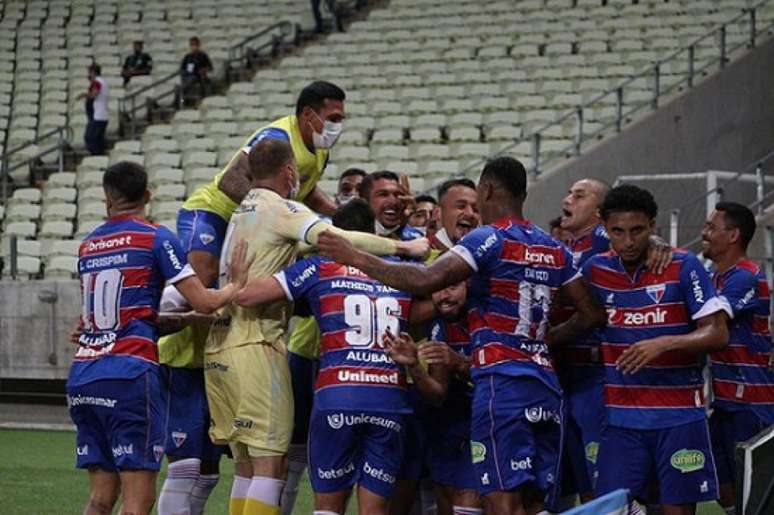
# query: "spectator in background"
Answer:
x=349 y=182
x=318 y=21
x=139 y=63
x=96 y=110
x=424 y=218
x=194 y=71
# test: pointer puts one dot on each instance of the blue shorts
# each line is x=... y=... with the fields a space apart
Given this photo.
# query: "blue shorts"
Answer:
x=189 y=417
x=355 y=447
x=120 y=422
x=415 y=453
x=584 y=420
x=201 y=230
x=728 y=428
x=516 y=433
x=678 y=459
x=303 y=372
x=450 y=456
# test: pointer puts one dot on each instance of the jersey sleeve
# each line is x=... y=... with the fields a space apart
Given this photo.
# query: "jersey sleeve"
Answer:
x=266 y=133
x=170 y=256
x=480 y=248
x=299 y=278
x=741 y=291
x=569 y=271
x=295 y=220
x=700 y=297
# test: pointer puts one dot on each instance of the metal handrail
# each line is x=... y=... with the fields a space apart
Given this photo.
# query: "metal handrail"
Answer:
x=127 y=106
x=625 y=110
x=241 y=52
x=64 y=135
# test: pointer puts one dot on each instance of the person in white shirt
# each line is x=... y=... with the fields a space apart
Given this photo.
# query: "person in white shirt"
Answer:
x=96 y=110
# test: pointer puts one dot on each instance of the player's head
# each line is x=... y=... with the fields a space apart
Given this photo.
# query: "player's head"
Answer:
x=730 y=227
x=629 y=213
x=349 y=181
x=459 y=215
x=354 y=216
x=126 y=188
x=272 y=164
x=194 y=44
x=424 y=214
x=320 y=113
x=580 y=208
x=383 y=193
x=451 y=300
x=503 y=184
x=94 y=70
x=137 y=45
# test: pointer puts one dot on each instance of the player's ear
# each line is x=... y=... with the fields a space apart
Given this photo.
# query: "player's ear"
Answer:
x=146 y=197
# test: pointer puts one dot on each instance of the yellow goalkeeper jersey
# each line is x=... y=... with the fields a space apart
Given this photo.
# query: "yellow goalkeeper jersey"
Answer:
x=185 y=348
x=310 y=168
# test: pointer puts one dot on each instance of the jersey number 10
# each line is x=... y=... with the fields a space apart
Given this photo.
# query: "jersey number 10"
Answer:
x=368 y=319
x=106 y=305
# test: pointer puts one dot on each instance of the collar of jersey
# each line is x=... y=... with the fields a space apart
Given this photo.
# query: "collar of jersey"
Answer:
x=505 y=221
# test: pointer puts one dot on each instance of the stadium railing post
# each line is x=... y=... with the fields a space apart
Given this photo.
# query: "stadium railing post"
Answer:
x=656 y=85
x=536 y=151
x=674 y=221
x=14 y=256
x=691 y=64
x=618 y=108
x=753 y=14
x=722 y=46
x=579 y=133
x=60 y=148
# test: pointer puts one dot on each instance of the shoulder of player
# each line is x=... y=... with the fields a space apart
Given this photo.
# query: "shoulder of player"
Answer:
x=746 y=266
x=269 y=132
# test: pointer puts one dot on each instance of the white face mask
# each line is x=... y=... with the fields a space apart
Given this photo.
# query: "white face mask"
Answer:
x=343 y=199
x=330 y=133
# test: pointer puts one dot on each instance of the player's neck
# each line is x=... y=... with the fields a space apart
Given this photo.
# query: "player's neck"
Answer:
x=729 y=260
x=306 y=136
x=134 y=212
x=586 y=229
x=500 y=210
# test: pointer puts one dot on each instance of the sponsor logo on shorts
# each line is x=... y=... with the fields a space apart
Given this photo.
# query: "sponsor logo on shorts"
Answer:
x=339 y=420
x=592 y=451
x=85 y=400
x=378 y=474
x=335 y=473
x=523 y=464
x=704 y=487
x=240 y=423
x=158 y=452
x=539 y=414
x=123 y=450
x=477 y=451
x=82 y=450
x=178 y=437
x=688 y=460
x=485 y=479
x=206 y=238
x=216 y=365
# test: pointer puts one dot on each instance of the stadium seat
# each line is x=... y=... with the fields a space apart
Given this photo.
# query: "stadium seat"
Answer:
x=61 y=267
x=27 y=267
x=20 y=229
x=56 y=230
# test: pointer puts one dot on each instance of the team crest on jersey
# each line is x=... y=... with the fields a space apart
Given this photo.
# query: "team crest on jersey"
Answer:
x=158 y=452
x=206 y=238
x=178 y=438
x=656 y=292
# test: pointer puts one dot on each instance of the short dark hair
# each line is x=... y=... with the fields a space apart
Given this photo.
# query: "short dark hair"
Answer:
x=97 y=69
x=126 y=180
x=508 y=173
x=268 y=156
x=314 y=95
x=444 y=188
x=365 y=187
x=425 y=198
x=349 y=172
x=628 y=198
x=194 y=39
x=738 y=216
x=555 y=223
x=355 y=215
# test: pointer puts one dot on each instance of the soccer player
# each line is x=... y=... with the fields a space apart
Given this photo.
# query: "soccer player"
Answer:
x=424 y=217
x=658 y=325
x=516 y=271
x=459 y=215
x=386 y=196
x=115 y=389
x=246 y=372
x=742 y=382
x=349 y=183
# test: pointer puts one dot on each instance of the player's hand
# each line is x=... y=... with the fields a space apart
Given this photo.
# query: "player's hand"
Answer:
x=401 y=349
x=659 y=255
x=239 y=265
x=75 y=335
x=417 y=248
x=337 y=248
x=634 y=358
x=406 y=198
x=437 y=353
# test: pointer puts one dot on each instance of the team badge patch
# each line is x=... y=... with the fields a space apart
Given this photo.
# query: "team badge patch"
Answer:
x=179 y=438
x=158 y=452
x=656 y=292
x=206 y=238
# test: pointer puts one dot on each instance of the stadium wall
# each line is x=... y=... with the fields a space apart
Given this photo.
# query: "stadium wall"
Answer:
x=723 y=123
x=26 y=328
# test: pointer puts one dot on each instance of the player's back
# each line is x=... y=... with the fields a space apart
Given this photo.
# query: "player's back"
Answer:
x=520 y=268
x=123 y=265
x=272 y=227
x=353 y=312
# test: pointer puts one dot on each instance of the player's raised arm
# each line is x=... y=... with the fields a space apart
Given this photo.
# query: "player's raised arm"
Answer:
x=320 y=202
x=235 y=183
x=262 y=290
x=432 y=384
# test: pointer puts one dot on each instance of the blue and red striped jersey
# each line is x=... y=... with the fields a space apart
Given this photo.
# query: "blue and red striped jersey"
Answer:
x=353 y=312
x=519 y=269
x=668 y=391
x=459 y=396
x=741 y=377
x=123 y=266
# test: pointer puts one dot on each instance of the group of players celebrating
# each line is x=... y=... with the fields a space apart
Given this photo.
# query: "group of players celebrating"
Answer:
x=514 y=369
